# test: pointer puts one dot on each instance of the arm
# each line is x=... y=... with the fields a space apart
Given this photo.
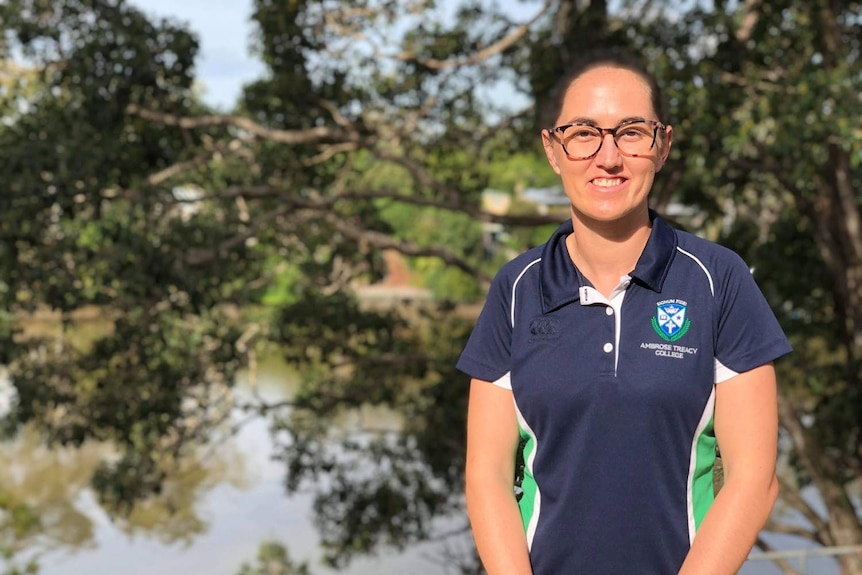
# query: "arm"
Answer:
x=492 y=439
x=746 y=427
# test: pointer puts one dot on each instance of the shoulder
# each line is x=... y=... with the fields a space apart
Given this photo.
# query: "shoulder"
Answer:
x=513 y=270
x=714 y=256
x=513 y=274
x=723 y=266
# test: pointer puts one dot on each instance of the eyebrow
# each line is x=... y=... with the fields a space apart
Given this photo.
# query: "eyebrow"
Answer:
x=581 y=121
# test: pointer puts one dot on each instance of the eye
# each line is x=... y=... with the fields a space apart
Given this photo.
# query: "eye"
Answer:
x=581 y=133
x=634 y=132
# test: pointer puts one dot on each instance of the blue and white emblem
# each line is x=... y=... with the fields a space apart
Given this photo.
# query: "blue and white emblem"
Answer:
x=670 y=320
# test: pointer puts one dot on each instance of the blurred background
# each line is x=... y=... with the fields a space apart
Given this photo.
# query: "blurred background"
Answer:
x=242 y=243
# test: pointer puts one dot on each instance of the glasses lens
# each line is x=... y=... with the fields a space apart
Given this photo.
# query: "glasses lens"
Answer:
x=635 y=139
x=581 y=141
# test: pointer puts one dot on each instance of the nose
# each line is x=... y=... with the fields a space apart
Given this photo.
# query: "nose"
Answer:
x=608 y=155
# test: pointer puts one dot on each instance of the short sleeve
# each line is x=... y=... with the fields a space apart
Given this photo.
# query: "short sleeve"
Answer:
x=487 y=355
x=748 y=334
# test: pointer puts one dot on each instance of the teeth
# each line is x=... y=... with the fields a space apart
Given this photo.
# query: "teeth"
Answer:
x=607 y=182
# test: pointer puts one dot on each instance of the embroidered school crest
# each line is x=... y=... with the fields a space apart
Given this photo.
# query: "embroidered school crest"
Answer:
x=670 y=321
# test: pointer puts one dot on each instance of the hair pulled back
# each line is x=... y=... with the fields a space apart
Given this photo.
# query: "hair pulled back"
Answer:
x=602 y=58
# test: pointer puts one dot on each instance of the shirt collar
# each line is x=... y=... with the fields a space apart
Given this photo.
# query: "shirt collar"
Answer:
x=561 y=279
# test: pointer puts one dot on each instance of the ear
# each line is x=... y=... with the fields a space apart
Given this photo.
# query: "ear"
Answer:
x=550 y=153
x=668 y=140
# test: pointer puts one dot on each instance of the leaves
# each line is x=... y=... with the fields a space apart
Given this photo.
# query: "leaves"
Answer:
x=201 y=238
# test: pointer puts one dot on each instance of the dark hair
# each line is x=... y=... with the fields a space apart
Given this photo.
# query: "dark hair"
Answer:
x=600 y=58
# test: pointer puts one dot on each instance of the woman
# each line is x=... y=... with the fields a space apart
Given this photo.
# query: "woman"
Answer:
x=618 y=355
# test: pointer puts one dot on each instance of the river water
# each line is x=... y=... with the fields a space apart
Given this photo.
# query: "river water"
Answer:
x=221 y=511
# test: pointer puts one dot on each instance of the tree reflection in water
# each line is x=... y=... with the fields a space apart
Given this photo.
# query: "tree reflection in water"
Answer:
x=40 y=489
x=377 y=487
x=372 y=432
x=44 y=497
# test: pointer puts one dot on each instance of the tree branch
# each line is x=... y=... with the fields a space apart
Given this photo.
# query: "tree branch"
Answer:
x=328 y=152
x=791 y=496
x=325 y=204
x=750 y=17
x=780 y=563
x=425 y=179
x=483 y=54
x=349 y=141
x=843 y=527
x=198 y=256
x=382 y=241
x=768 y=85
x=787 y=529
x=308 y=136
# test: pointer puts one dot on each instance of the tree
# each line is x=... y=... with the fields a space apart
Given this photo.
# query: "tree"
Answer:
x=204 y=237
x=86 y=227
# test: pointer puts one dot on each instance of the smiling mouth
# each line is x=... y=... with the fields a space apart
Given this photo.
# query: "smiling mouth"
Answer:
x=607 y=182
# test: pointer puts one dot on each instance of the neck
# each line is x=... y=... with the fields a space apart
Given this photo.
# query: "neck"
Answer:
x=606 y=251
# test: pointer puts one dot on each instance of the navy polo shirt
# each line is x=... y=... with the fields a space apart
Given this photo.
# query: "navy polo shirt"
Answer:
x=615 y=396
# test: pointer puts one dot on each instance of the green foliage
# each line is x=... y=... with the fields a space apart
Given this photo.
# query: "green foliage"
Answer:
x=516 y=171
x=273 y=559
x=382 y=488
x=281 y=292
x=430 y=227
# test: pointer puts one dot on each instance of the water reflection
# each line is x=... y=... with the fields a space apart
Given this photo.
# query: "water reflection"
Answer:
x=39 y=493
x=210 y=517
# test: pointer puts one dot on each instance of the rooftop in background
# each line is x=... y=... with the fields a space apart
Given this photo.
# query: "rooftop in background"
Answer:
x=552 y=196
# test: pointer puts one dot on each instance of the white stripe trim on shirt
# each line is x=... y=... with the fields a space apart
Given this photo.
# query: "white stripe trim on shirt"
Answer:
x=703 y=267
x=705 y=418
x=515 y=286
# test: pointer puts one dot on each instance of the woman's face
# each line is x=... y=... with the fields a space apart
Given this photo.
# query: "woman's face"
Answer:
x=609 y=187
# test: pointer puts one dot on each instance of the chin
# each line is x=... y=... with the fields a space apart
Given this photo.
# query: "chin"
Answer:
x=611 y=214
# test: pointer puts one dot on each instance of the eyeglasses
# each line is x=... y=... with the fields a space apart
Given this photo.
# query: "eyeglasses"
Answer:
x=583 y=141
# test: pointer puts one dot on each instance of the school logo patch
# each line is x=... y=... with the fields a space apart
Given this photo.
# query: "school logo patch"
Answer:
x=670 y=321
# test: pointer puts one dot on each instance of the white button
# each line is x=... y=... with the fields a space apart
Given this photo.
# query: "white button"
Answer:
x=609 y=310
x=609 y=347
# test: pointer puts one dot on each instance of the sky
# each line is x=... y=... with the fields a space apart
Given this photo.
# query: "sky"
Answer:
x=224 y=32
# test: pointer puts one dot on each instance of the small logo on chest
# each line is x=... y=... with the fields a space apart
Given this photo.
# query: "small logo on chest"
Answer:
x=670 y=321
x=543 y=328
